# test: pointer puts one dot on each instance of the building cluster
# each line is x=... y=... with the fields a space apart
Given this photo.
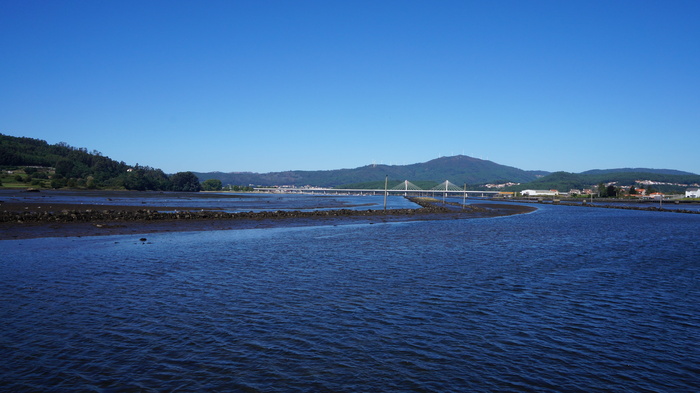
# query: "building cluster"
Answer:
x=539 y=192
x=291 y=186
x=502 y=185
x=692 y=192
x=654 y=183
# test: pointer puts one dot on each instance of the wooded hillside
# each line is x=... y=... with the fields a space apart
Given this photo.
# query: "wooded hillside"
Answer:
x=62 y=165
x=457 y=169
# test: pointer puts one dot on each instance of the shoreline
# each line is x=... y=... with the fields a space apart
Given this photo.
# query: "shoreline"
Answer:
x=616 y=204
x=26 y=220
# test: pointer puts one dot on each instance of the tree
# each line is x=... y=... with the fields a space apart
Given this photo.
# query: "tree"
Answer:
x=211 y=185
x=185 y=181
x=64 y=167
x=602 y=190
x=611 y=191
x=57 y=183
x=135 y=180
x=157 y=179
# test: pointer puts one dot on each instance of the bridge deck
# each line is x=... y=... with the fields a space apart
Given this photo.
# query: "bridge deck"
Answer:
x=361 y=191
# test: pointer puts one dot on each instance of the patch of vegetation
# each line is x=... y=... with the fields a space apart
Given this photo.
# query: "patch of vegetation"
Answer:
x=28 y=162
x=211 y=185
x=565 y=181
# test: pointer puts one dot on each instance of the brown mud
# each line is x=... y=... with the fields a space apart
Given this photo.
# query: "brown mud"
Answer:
x=24 y=220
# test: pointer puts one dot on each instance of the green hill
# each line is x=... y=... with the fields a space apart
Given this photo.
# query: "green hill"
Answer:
x=672 y=180
x=61 y=165
x=39 y=164
x=636 y=170
x=457 y=169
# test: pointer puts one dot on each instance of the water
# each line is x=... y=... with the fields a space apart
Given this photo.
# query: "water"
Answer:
x=564 y=299
x=223 y=201
x=665 y=204
x=669 y=205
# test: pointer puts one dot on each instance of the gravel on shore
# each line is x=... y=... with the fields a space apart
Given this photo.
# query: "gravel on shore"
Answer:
x=23 y=220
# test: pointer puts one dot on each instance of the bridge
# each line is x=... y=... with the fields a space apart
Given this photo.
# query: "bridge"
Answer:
x=404 y=188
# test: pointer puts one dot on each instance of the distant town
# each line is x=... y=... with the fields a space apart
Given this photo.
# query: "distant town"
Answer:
x=641 y=189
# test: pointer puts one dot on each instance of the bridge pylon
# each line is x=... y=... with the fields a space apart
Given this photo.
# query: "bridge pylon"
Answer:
x=447 y=186
x=406 y=186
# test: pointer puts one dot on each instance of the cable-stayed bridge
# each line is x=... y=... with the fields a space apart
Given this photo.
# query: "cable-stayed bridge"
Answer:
x=405 y=188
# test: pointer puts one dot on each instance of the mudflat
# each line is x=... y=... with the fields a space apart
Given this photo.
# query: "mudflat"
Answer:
x=24 y=219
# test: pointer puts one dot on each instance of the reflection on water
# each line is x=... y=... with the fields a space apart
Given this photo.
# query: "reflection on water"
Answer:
x=227 y=202
x=643 y=204
x=562 y=299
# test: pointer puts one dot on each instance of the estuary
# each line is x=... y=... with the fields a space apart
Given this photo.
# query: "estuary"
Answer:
x=565 y=298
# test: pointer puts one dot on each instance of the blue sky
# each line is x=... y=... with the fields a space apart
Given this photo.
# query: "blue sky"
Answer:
x=270 y=85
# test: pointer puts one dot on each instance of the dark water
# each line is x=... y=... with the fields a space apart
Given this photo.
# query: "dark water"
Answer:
x=223 y=201
x=669 y=205
x=566 y=299
x=643 y=204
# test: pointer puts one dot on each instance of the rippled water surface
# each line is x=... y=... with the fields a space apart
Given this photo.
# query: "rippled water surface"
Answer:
x=562 y=299
x=223 y=201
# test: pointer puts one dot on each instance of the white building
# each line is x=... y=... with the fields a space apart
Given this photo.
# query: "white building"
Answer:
x=692 y=193
x=539 y=192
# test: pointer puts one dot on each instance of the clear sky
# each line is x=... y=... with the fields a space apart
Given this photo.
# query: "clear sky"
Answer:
x=265 y=85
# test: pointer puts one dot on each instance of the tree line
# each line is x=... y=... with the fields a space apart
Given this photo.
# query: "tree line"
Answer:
x=567 y=181
x=77 y=168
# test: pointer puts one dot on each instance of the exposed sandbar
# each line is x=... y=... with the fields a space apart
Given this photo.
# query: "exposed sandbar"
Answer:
x=23 y=220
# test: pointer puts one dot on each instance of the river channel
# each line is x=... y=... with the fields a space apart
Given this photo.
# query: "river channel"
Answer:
x=563 y=299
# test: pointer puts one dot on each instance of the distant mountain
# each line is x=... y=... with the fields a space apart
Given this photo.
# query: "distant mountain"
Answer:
x=67 y=166
x=457 y=169
x=636 y=170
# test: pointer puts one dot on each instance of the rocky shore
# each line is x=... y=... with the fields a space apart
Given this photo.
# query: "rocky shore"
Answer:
x=27 y=220
x=79 y=213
